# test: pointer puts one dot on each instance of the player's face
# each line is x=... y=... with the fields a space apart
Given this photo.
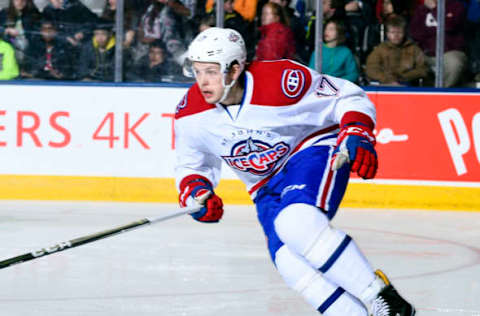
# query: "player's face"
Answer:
x=210 y=80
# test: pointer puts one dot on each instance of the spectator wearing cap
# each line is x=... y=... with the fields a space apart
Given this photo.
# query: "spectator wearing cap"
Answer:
x=97 y=57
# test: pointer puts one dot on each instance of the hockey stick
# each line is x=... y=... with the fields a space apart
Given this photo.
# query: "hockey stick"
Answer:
x=93 y=237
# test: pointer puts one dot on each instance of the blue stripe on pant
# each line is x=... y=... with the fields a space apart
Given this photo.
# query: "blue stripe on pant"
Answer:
x=298 y=182
x=335 y=295
x=327 y=265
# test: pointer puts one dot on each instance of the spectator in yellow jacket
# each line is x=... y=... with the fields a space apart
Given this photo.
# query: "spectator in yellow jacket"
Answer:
x=8 y=63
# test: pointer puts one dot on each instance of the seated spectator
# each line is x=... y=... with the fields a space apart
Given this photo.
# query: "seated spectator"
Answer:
x=277 y=39
x=332 y=10
x=73 y=19
x=18 y=23
x=49 y=56
x=109 y=14
x=8 y=63
x=375 y=33
x=397 y=61
x=156 y=66
x=423 y=29
x=337 y=59
x=97 y=58
x=297 y=24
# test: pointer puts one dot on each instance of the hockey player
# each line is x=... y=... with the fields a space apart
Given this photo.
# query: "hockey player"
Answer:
x=292 y=136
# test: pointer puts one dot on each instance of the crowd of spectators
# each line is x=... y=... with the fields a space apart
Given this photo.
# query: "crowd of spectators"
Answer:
x=376 y=42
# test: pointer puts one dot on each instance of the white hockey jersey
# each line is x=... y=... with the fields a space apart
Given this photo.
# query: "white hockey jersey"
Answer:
x=286 y=107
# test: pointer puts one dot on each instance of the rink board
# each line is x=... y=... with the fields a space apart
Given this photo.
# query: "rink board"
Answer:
x=117 y=143
x=360 y=195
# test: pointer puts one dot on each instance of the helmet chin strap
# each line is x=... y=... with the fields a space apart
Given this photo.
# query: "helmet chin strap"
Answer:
x=226 y=88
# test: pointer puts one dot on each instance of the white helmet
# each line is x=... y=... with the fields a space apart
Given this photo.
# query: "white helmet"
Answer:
x=217 y=45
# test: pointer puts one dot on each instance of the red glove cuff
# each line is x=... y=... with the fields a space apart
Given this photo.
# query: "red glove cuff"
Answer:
x=355 y=118
x=358 y=130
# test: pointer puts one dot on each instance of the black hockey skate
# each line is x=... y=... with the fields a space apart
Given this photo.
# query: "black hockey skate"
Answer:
x=389 y=302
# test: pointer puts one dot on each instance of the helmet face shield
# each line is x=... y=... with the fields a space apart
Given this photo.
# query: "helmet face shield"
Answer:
x=188 y=68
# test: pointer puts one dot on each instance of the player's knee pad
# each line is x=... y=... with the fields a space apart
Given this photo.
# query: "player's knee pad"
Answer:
x=306 y=231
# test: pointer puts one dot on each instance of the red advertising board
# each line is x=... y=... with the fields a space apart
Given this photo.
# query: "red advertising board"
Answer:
x=428 y=136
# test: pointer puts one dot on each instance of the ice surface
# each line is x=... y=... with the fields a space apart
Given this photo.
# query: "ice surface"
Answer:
x=181 y=267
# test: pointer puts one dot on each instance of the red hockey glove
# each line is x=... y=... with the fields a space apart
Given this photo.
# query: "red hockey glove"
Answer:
x=355 y=145
x=197 y=190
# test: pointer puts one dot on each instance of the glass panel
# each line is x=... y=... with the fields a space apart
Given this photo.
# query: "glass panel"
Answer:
x=386 y=42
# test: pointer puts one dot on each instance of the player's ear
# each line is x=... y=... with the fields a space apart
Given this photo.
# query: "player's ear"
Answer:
x=235 y=71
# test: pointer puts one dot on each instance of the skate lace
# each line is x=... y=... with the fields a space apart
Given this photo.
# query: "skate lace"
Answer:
x=380 y=307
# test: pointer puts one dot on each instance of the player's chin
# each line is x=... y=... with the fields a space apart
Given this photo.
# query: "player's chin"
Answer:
x=211 y=98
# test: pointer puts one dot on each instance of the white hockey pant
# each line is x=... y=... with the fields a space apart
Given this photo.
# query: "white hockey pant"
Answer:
x=306 y=232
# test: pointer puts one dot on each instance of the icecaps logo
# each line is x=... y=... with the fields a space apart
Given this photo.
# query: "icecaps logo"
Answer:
x=255 y=156
x=293 y=82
